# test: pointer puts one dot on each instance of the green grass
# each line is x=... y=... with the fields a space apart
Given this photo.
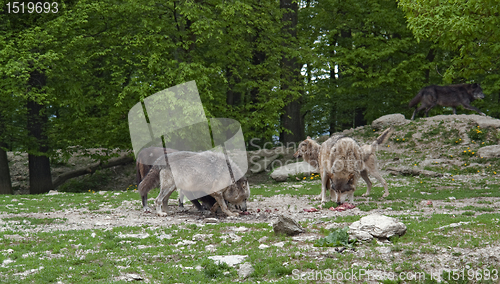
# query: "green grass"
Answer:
x=105 y=255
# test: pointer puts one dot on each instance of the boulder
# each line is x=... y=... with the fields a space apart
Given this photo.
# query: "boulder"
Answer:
x=492 y=151
x=288 y=226
x=378 y=226
x=282 y=173
x=257 y=166
x=389 y=120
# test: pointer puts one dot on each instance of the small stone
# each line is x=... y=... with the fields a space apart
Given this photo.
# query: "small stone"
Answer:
x=288 y=226
x=246 y=269
x=263 y=246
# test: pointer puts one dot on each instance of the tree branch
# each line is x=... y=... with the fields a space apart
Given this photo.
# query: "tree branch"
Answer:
x=123 y=160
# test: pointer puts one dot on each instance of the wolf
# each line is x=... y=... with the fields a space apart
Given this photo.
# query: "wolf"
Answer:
x=324 y=157
x=448 y=96
x=198 y=171
x=144 y=162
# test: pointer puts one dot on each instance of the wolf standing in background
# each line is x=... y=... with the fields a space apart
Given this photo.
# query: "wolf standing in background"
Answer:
x=448 y=96
x=319 y=156
x=196 y=173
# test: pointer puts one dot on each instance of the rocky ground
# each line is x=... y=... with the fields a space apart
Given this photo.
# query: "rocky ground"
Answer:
x=431 y=146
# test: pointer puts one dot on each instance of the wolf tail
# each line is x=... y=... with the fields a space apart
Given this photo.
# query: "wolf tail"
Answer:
x=151 y=179
x=416 y=100
x=383 y=137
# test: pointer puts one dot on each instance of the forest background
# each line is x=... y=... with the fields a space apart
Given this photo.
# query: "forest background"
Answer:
x=70 y=71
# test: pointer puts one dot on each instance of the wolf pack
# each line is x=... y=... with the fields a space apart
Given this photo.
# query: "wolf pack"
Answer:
x=340 y=160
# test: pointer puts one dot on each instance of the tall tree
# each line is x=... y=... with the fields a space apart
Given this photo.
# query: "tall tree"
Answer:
x=5 y=183
x=291 y=119
x=38 y=161
x=368 y=63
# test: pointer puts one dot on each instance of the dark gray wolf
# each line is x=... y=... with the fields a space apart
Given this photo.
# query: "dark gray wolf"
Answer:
x=144 y=162
x=341 y=161
x=448 y=96
x=199 y=171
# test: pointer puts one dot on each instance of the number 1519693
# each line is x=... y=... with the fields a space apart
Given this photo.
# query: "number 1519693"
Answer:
x=30 y=7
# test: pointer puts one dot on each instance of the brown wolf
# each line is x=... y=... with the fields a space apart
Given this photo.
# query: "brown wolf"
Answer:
x=144 y=162
x=200 y=171
x=448 y=96
x=324 y=156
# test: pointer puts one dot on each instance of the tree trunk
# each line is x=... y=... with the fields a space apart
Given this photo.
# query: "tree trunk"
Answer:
x=38 y=161
x=291 y=119
x=232 y=98
x=5 y=184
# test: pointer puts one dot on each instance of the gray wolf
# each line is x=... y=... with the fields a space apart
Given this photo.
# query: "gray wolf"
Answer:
x=448 y=96
x=198 y=171
x=144 y=162
x=331 y=153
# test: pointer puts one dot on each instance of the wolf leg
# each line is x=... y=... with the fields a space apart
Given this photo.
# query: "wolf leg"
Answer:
x=181 y=199
x=417 y=110
x=351 y=196
x=364 y=175
x=469 y=107
x=161 y=202
x=145 y=207
x=376 y=174
x=428 y=109
x=324 y=181
x=222 y=203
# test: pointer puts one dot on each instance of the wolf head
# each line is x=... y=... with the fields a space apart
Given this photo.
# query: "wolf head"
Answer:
x=343 y=186
x=477 y=91
x=238 y=194
x=303 y=148
x=347 y=157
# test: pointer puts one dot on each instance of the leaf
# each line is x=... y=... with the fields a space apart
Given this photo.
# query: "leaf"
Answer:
x=337 y=238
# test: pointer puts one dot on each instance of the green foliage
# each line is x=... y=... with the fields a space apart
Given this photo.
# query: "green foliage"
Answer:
x=477 y=134
x=469 y=31
x=214 y=270
x=337 y=238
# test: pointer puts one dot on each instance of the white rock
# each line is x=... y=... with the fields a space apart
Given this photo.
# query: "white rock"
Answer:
x=245 y=270
x=377 y=225
x=210 y=248
x=492 y=151
x=230 y=260
x=263 y=246
x=389 y=120
x=280 y=244
x=263 y=239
